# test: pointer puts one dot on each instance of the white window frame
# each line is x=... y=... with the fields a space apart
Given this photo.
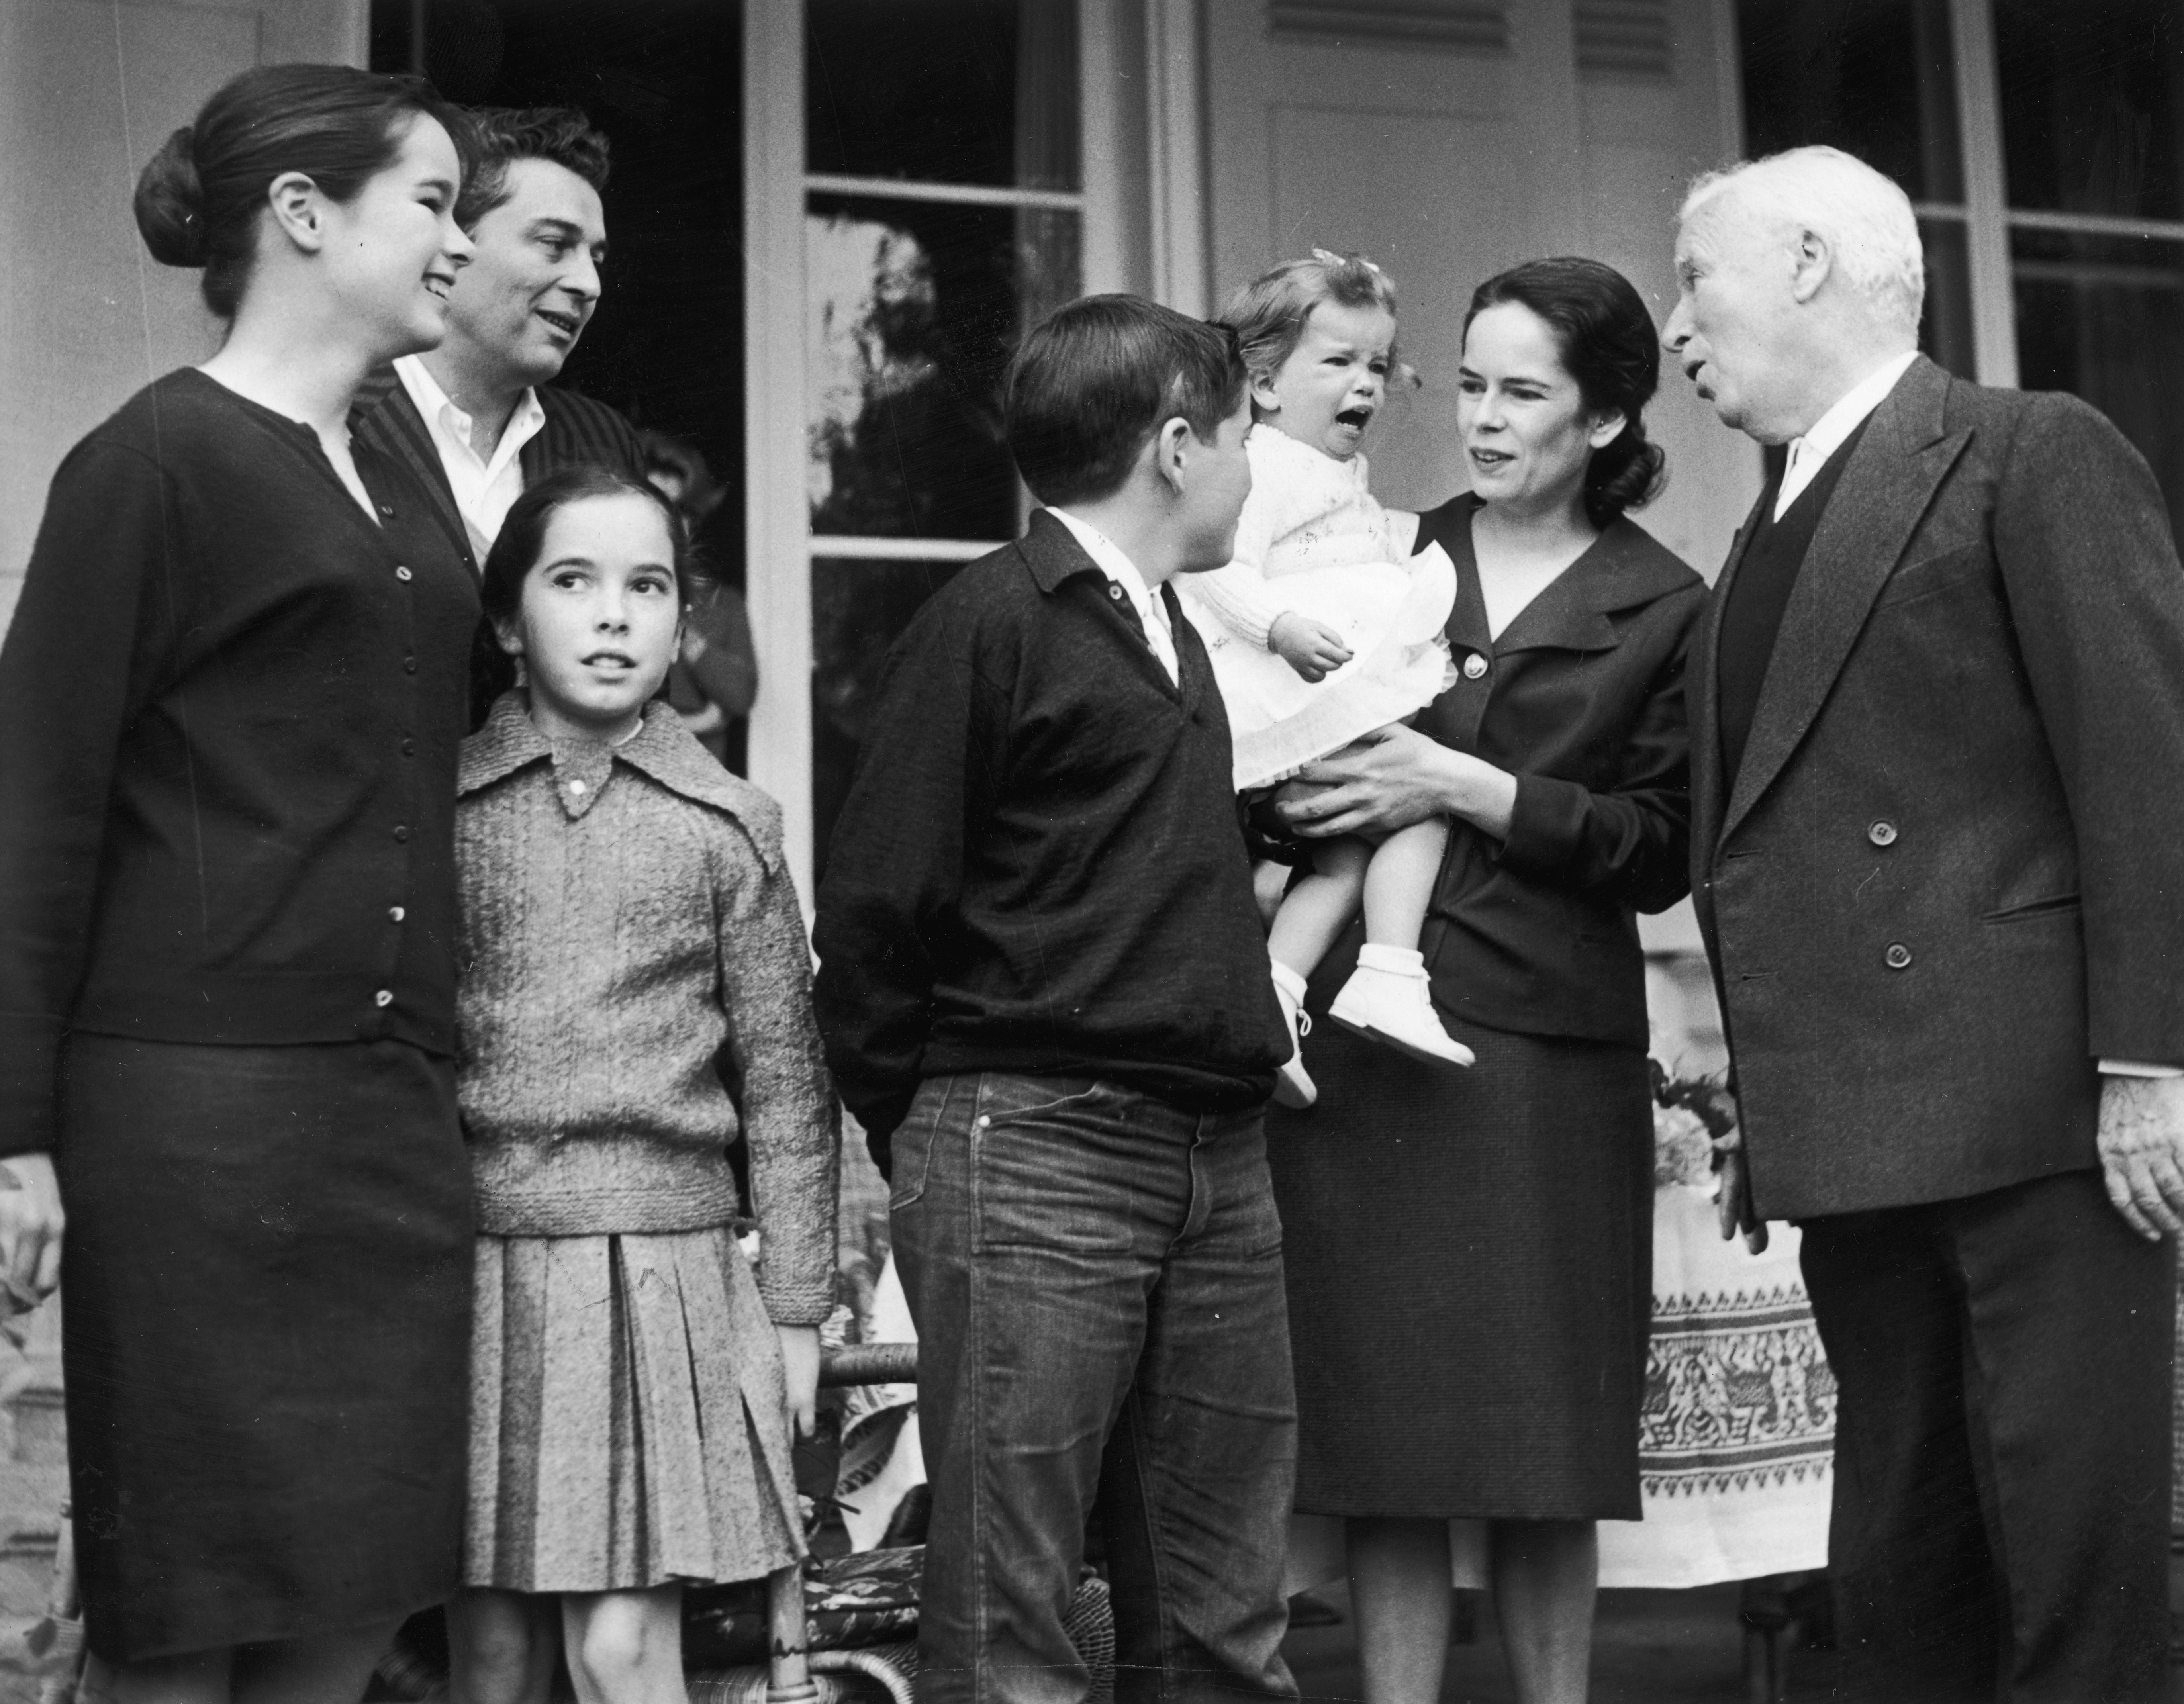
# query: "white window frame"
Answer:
x=779 y=545
x=1985 y=213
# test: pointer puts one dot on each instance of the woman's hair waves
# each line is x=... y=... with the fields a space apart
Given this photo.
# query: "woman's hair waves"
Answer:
x=1609 y=346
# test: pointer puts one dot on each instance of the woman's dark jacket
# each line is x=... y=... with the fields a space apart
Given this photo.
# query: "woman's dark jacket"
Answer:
x=1582 y=700
x=232 y=706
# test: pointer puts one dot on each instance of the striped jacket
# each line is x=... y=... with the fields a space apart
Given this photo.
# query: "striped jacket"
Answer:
x=578 y=431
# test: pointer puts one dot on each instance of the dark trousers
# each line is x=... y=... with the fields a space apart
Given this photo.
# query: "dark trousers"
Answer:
x=1096 y=1281
x=2001 y=1526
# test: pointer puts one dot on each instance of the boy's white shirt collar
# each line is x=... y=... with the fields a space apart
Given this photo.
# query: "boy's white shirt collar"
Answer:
x=1809 y=454
x=1109 y=559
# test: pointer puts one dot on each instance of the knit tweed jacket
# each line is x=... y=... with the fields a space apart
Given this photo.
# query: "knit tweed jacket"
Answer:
x=624 y=911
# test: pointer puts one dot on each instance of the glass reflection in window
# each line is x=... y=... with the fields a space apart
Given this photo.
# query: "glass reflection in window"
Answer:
x=2092 y=93
x=993 y=98
x=2103 y=317
x=1872 y=77
x=914 y=308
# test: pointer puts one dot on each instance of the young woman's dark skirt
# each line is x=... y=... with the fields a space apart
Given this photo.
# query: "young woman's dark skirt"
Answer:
x=266 y=1295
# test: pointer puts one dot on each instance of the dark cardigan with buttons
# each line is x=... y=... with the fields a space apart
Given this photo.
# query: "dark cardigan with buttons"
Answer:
x=233 y=704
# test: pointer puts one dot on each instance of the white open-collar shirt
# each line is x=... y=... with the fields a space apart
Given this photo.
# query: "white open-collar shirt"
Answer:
x=486 y=487
x=1152 y=613
x=1809 y=454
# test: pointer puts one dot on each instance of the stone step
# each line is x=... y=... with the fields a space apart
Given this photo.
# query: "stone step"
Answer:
x=38 y=1425
x=32 y=1397
x=33 y=1466
x=26 y=1573
x=31 y=1495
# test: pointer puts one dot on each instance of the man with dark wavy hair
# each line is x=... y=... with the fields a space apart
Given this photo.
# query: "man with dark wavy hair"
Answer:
x=478 y=418
x=1044 y=991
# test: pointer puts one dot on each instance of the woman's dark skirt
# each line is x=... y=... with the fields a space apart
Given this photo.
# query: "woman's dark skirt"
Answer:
x=1470 y=1257
x=266 y=1278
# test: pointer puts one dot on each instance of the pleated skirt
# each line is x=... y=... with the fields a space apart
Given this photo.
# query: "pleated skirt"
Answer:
x=628 y=1419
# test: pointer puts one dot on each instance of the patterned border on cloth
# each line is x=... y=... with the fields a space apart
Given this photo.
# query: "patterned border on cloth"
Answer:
x=1736 y=1438
x=1738 y=1393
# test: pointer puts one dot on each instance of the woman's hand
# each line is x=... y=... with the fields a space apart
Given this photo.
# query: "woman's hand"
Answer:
x=1392 y=778
x=1314 y=649
x=31 y=1220
x=799 y=1366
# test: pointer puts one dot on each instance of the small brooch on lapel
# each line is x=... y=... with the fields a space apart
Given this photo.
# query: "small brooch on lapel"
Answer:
x=581 y=774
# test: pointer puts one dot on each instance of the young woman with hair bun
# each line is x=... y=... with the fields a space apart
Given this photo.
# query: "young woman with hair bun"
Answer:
x=234 y=688
x=1468 y=1254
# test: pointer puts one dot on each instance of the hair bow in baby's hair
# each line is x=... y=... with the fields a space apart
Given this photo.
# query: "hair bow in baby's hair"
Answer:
x=1328 y=256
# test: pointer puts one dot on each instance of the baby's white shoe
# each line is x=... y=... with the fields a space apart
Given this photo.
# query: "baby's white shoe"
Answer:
x=1292 y=1086
x=1389 y=998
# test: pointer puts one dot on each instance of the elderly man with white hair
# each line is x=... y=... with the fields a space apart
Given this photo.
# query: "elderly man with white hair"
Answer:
x=1938 y=846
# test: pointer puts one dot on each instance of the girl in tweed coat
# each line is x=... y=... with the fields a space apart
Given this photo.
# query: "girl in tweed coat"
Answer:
x=626 y=911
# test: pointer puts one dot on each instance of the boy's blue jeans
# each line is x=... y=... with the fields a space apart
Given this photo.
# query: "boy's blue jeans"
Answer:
x=1097 y=1280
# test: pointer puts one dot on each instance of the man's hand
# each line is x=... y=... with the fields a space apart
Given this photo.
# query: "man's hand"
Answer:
x=31 y=1222
x=2141 y=1144
x=799 y=1366
x=1733 y=1205
x=1314 y=649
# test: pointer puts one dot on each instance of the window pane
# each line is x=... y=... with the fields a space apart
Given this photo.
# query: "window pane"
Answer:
x=2104 y=316
x=1945 y=328
x=1871 y=77
x=2092 y=95
x=858 y=610
x=992 y=98
x=915 y=307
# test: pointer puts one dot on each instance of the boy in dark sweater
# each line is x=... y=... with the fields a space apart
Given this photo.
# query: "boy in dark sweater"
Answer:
x=1042 y=986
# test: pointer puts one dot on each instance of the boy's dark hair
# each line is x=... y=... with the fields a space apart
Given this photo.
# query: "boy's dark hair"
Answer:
x=501 y=136
x=1097 y=377
x=516 y=551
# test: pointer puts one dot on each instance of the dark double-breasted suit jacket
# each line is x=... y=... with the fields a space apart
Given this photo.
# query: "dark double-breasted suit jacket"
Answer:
x=578 y=432
x=1949 y=876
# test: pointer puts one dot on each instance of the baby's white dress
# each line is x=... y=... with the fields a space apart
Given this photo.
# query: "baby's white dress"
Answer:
x=1314 y=540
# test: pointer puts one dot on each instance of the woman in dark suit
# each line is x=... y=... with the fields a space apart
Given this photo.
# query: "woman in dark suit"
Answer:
x=233 y=690
x=1470 y=1253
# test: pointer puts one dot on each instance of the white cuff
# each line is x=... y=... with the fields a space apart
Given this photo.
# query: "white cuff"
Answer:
x=2138 y=1067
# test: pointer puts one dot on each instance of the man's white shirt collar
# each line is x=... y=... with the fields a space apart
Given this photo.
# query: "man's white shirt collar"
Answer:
x=485 y=487
x=1809 y=454
x=1152 y=614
